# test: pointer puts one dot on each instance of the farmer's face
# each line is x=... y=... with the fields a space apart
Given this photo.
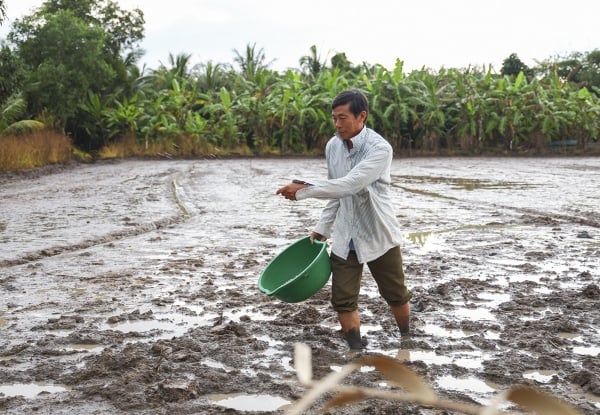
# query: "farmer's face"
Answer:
x=346 y=124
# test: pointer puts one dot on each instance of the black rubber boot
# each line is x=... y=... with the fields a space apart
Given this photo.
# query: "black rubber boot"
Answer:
x=404 y=331
x=354 y=340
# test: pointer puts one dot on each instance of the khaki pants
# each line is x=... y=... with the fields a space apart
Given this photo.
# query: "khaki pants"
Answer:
x=387 y=270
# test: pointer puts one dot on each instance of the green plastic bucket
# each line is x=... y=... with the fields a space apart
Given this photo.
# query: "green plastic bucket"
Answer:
x=298 y=272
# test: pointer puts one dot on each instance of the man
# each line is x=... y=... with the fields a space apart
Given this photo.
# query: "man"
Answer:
x=359 y=215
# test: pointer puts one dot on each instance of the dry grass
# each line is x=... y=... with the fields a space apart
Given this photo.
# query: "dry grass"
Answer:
x=407 y=386
x=36 y=149
x=181 y=146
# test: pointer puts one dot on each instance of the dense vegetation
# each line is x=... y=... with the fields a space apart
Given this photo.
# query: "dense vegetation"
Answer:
x=71 y=67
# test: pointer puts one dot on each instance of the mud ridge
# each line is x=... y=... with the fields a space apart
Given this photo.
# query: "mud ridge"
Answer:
x=112 y=237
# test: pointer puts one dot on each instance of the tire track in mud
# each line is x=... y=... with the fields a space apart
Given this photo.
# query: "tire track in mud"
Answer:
x=111 y=237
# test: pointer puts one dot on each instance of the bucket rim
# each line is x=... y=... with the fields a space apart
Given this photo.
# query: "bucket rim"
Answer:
x=299 y=275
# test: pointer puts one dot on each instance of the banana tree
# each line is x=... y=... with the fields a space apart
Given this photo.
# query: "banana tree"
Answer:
x=390 y=112
x=506 y=115
x=94 y=120
x=428 y=98
x=466 y=109
x=223 y=117
x=587 y=115
x=123 y=118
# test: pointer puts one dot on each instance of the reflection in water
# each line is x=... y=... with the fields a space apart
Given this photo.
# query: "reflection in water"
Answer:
x=92 y=348
x=435 y=330
x=541 y=376
x=589 y=351
x=30 y=390
x=429 y=357
x=469 y=384
x=462 y=183
x=420 y=238
x=466 y=359
x=242 y=402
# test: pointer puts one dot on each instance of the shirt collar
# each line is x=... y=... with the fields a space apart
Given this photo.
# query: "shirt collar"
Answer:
x=358 y=140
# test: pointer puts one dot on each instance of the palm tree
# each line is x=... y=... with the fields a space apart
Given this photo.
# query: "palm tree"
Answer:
x=312 y=64
x=211 y=77
x=252 y=63
x=11 y=117
x=178 y=69
x=2 y=11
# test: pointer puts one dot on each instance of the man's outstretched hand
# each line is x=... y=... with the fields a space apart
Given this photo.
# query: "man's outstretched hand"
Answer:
x=289 y=190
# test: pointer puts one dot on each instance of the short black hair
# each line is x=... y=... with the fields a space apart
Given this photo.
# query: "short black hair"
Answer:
x=358 y=101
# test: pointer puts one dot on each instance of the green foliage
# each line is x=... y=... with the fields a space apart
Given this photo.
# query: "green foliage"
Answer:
x=11 y=118
x=340 y=61
x=312 y=64
x=65 y=61
x=512 y=66
x=75 y=63
x=123 y=29
x=11 y=72
x=70 y=47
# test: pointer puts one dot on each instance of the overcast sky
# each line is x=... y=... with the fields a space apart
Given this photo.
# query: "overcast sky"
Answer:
x=431 y=33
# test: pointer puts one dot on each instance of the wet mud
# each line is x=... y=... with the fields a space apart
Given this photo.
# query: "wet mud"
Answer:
x=131 y=287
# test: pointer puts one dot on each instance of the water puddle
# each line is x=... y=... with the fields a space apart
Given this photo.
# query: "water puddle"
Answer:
x=494 y=299
x=200 y=310
x=84 y=347
x=467 y=385
x=366 y=328
x=492 y=335
x=142 y=326
x=458 y=183
x=423 y=192
x=588 y=351
x=541 y=376
x=363 y=369
x=273 y=352
x=420 y=238
x=426 y=356
x=593 y=398
x=30 y=390
x=543 y=290
x=540 y=313
x=570 y=336
x=60 y=332
x=435 y=330
x=173 y=324
x=474 y=314
x=430 y=237
x=468 y=360
x=243 y=402
x=216 y=365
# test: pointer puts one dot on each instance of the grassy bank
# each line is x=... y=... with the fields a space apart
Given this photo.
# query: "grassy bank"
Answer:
x=180 y=146
x=37 y=149
x=44 y=148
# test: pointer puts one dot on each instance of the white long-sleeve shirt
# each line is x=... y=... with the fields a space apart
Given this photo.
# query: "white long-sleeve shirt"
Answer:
x=358 y=185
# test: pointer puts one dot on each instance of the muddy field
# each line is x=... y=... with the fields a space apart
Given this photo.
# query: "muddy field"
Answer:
x=131 y=287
